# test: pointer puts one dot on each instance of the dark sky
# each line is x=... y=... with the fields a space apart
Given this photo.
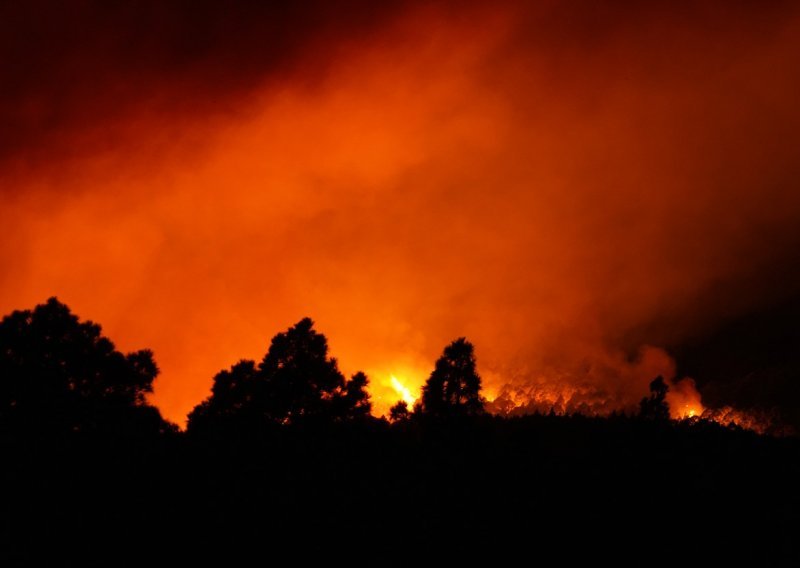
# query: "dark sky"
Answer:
x=592 y=192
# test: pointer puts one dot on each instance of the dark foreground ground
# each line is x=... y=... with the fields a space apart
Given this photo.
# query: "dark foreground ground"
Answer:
x=533 y=491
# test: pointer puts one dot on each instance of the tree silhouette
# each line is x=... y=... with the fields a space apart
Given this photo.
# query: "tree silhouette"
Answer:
x=454 y=386
x=354 y=400
x=299 y=379
x=295 y=382
x=60 y=374
x=654 y=407
x=231 y=397
x=399 y=412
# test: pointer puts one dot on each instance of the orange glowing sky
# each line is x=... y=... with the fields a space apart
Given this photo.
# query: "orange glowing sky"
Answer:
x=548 y=182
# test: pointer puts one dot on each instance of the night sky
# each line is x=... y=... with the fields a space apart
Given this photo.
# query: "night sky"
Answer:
x=594 y=193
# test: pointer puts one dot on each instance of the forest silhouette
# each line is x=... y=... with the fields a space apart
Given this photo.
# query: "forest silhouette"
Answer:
x=285 y=457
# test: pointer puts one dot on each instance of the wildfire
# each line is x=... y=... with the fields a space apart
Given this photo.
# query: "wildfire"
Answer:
x=684 y=411
x=560 y=399
x=683 y=400
x=403 y=391
x=757 y=422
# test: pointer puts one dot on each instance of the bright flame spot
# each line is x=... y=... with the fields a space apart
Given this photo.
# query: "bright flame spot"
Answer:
x=403 y=391
x=684 y=400
x=688 y=411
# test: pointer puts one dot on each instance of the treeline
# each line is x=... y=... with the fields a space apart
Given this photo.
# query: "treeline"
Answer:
x=284 y=464
x=60 y=375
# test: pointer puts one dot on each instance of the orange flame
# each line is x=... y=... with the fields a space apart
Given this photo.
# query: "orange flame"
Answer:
x=684 y=399
x=403 y=391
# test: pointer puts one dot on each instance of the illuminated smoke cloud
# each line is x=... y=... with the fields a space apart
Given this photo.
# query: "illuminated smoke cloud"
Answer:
x=563 y=186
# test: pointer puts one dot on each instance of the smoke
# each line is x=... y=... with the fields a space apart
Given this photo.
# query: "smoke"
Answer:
x=571 y=188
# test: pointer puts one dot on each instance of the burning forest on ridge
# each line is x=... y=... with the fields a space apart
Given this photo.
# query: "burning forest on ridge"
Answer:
x=33 y=341
x=589 y=194
x=683 y=405
x=550 y=249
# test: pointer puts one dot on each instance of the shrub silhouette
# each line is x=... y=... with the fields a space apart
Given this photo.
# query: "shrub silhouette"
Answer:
x=454 y=385
x=58 y=374
x=296 y=382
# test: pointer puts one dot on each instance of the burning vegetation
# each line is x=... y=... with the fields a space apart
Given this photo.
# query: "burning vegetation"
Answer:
x=51 y=360
x=681 y=402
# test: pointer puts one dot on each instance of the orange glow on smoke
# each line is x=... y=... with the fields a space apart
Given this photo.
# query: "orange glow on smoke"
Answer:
x=476 y=174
